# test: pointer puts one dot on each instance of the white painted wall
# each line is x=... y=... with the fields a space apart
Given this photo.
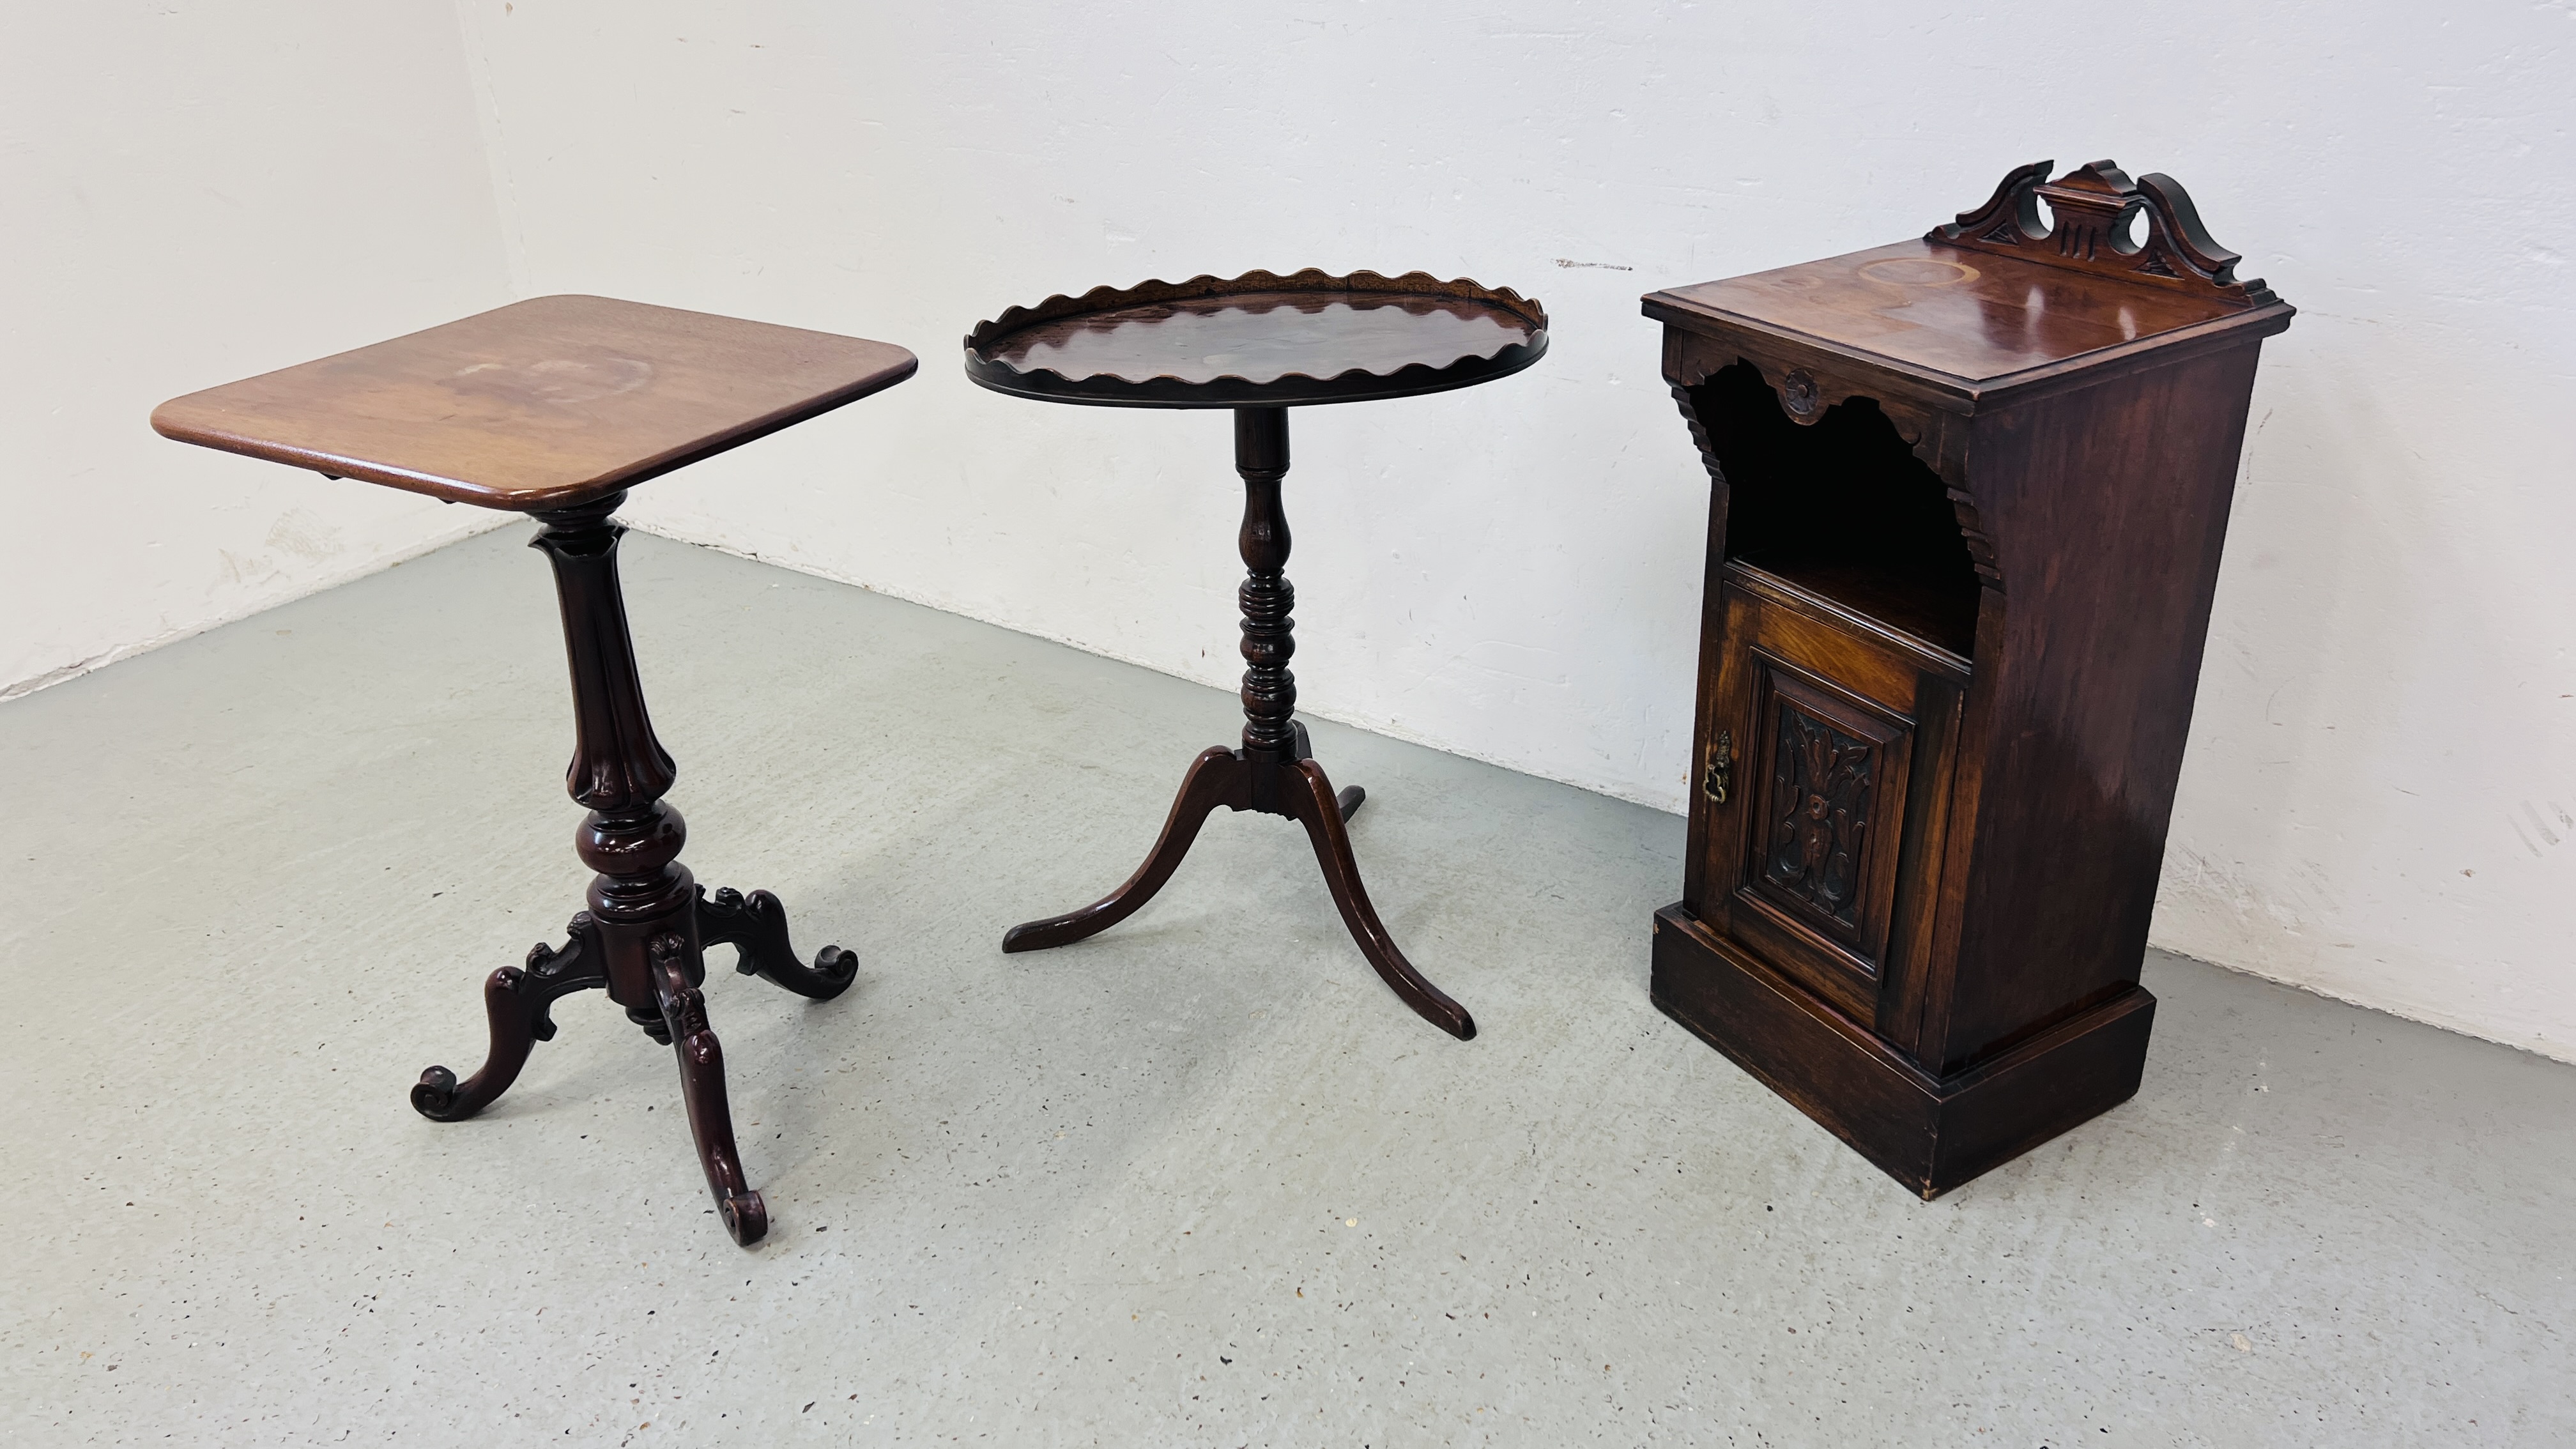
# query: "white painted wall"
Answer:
x=2378 y=798
x=195 y=193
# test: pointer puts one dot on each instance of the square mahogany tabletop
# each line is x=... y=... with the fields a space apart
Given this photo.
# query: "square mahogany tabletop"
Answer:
x=544 y=404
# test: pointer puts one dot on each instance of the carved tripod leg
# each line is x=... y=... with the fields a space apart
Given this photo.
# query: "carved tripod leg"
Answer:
x=1215 y=778
x=756 y=925
x=1309 y=796
x=684 y=1009
x=517 y=1000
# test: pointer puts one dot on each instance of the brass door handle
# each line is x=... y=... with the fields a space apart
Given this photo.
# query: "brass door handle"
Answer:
x=1720 y=760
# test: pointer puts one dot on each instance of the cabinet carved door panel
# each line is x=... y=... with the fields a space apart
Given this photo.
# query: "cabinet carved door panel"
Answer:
x=1827 y=764
x=1831 y=775
x=1827 y=812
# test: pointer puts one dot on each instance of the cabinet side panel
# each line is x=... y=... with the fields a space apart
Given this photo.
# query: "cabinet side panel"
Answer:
x=2108 y=507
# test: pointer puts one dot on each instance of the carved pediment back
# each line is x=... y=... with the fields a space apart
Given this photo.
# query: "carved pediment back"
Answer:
x=2092 y=206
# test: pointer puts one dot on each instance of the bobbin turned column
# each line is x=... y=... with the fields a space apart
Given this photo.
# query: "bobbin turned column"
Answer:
x=1267 y=598
x=1273 y=738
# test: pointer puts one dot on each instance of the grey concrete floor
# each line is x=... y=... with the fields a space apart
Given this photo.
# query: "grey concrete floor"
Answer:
x=1199 y=1181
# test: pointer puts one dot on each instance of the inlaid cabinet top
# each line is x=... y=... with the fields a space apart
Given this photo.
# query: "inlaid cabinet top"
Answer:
x=2005 y=290
x=542 y=404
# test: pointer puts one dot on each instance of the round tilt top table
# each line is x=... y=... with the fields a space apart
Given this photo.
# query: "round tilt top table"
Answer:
x=1260 y=344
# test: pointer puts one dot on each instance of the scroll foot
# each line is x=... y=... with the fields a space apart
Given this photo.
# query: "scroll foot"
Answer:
x=518 y=1002
x=756 y=926
x=684 y=1009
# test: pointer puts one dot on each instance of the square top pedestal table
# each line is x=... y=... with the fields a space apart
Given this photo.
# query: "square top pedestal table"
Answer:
x=554 y=407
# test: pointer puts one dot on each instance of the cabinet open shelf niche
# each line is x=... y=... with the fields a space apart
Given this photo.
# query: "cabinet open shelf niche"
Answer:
x=1841 y=509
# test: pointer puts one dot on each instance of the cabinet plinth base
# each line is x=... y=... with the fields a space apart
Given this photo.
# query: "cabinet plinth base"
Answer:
x=1931 y=1134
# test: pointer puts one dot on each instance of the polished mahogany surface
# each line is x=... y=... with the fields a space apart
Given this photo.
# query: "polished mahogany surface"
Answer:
x=1264 y=336
x=1260 y=338
x=1972 y=315
x=543 y=404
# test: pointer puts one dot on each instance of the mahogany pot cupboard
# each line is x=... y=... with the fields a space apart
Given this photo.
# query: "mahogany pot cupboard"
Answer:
x=1967 y=494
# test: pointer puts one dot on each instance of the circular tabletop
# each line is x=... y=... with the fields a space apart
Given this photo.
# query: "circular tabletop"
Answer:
x=1258 y=340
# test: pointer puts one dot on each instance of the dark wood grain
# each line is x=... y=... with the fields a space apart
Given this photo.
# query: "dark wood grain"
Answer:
x=1994 y=302
x=543 y=404
x=2110 y=510
x=1930 y=1133
x=1972 y=316
x=1968 y=496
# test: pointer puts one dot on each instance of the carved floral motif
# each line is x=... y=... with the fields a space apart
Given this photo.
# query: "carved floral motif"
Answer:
x=1820 y=788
